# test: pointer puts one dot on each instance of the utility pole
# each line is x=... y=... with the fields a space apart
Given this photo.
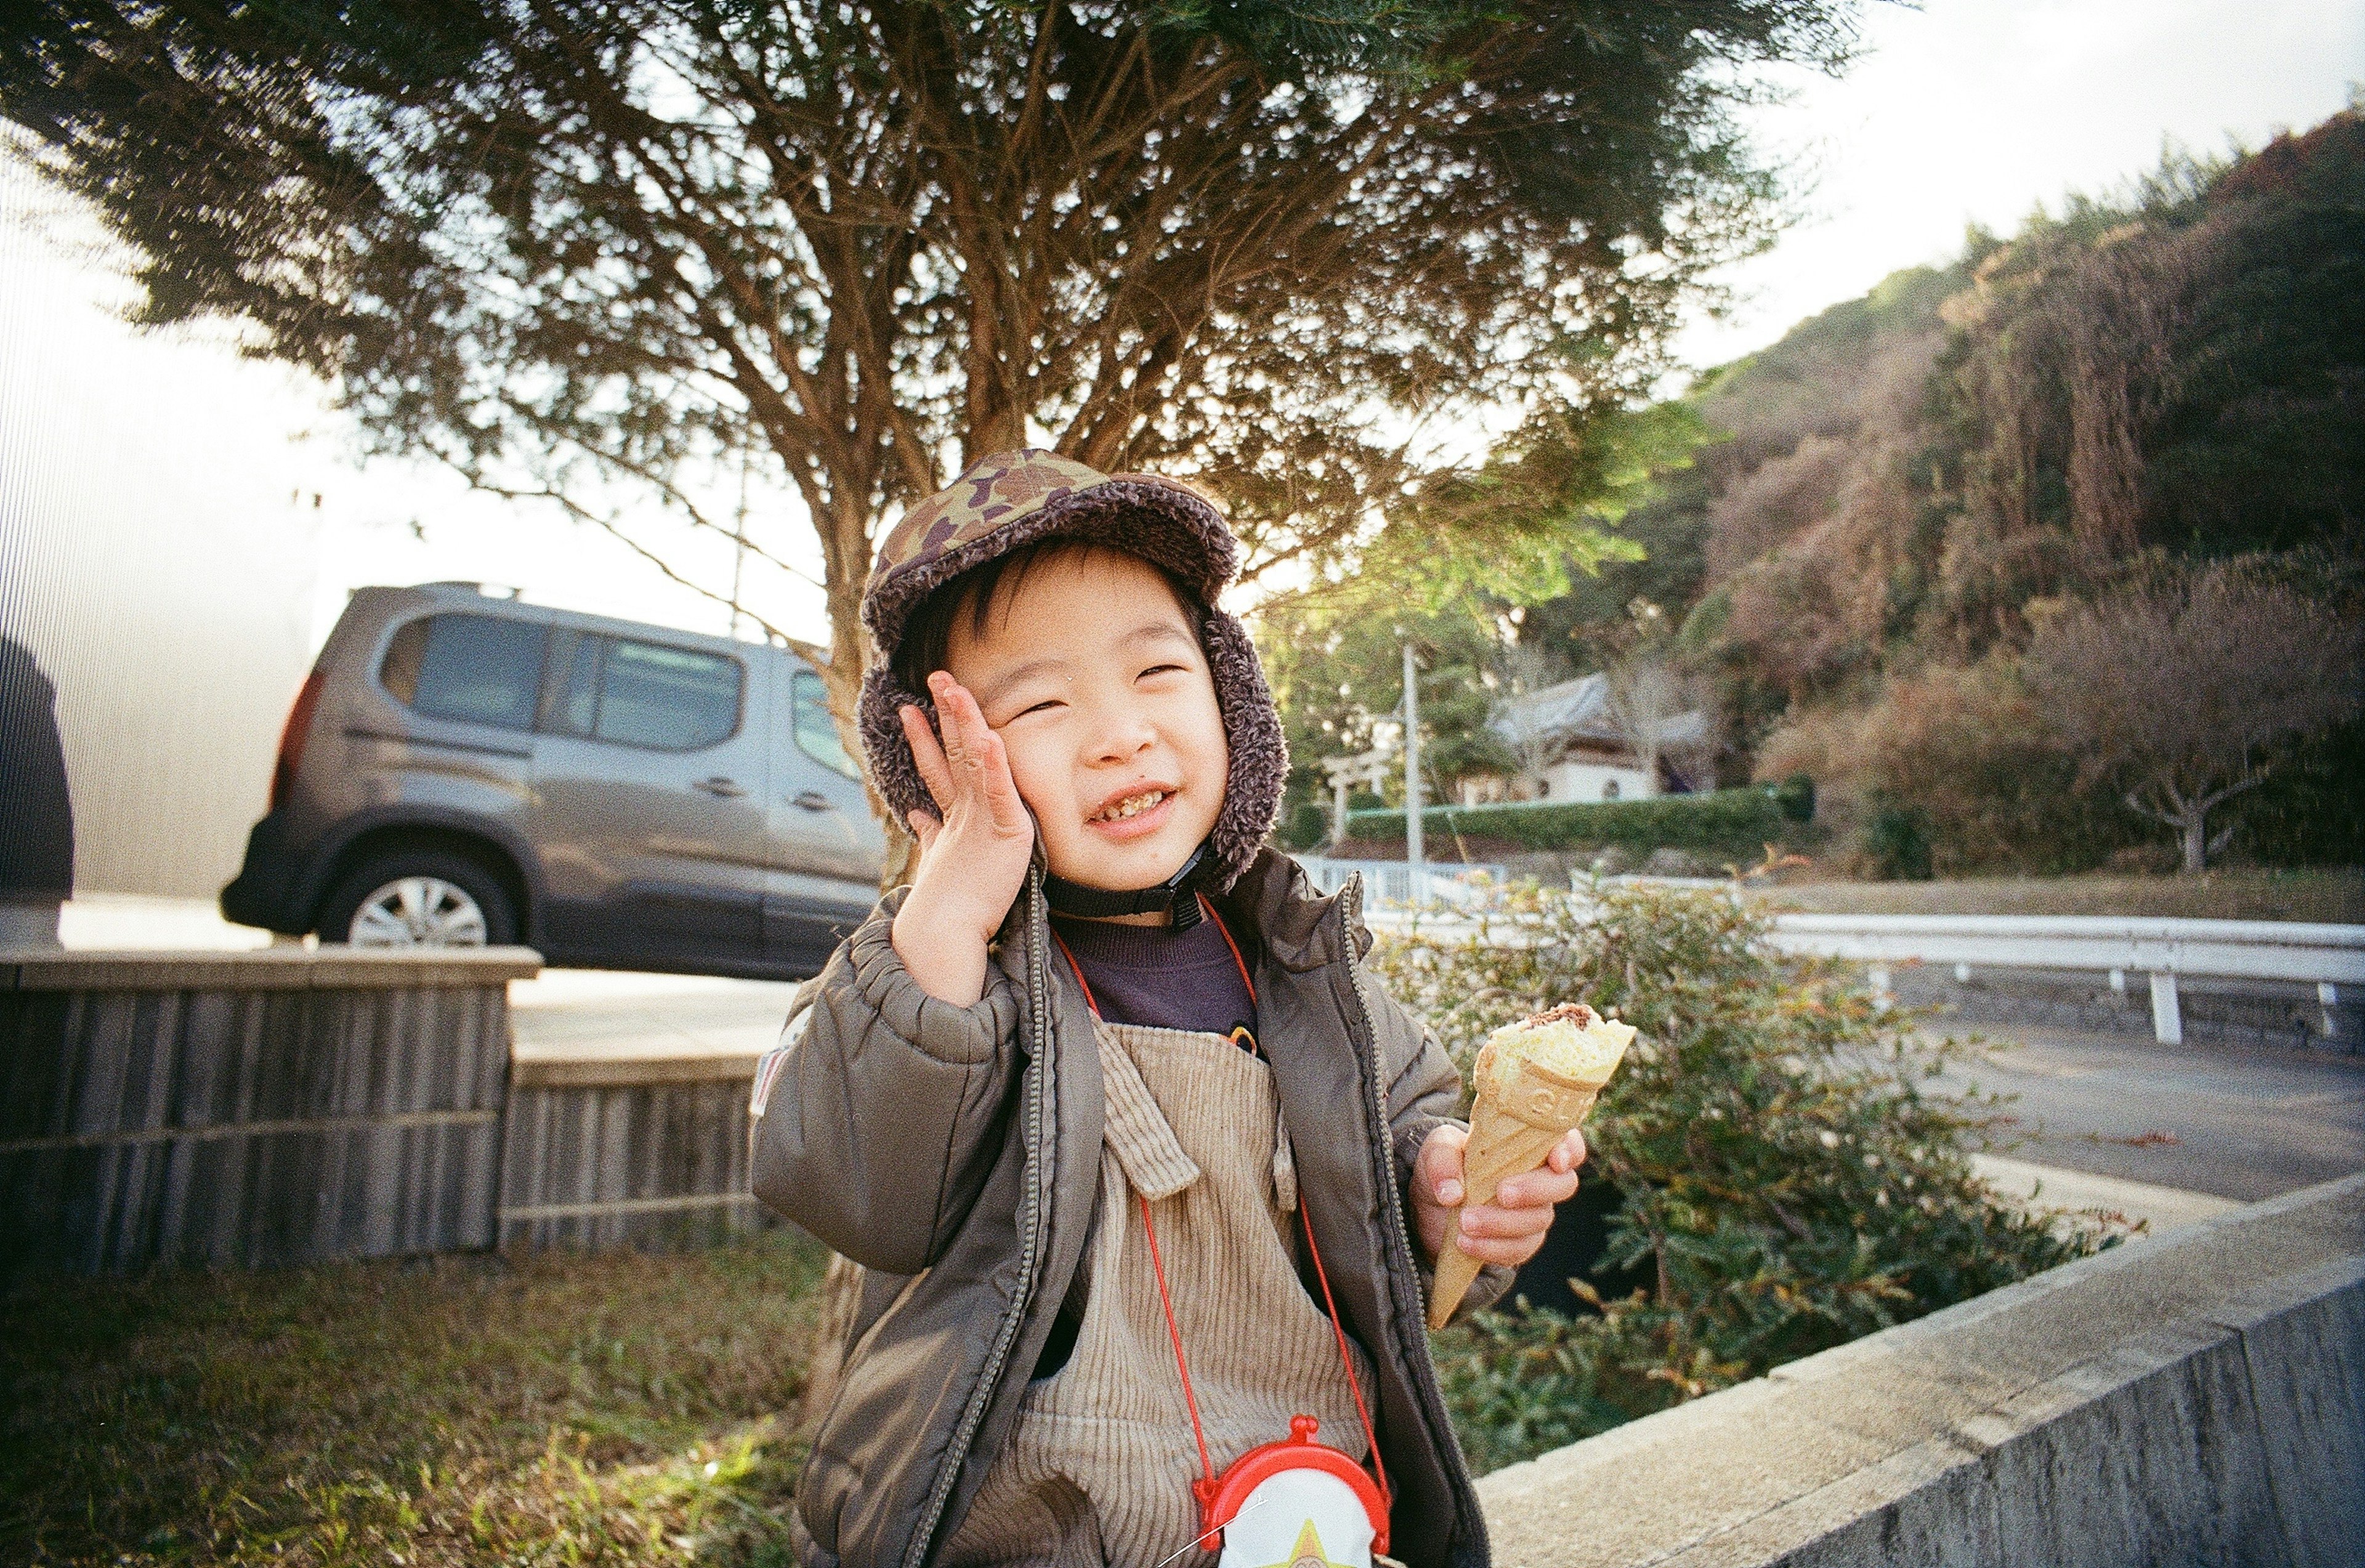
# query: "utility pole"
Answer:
x=739 y=552
x=1412 y=759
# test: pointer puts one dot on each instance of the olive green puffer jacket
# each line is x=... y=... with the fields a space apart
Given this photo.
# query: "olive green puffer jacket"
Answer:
x=955 y=1154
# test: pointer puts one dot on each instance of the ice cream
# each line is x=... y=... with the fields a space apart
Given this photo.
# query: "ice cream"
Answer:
x=1535 y=1080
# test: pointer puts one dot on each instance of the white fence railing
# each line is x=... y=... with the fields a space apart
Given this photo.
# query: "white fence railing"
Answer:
x=2328 y=955
x=1400 y=883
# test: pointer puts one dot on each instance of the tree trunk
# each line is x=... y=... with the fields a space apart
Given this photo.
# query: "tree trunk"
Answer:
x=2194 y=830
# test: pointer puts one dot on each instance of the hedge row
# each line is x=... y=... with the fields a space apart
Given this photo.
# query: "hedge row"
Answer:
x=1728 y=823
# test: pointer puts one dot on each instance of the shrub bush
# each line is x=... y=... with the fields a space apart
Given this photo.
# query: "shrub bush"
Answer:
x=1309 y=824
x=1733 y=825
x=1967 y=760
x=1787 y=1187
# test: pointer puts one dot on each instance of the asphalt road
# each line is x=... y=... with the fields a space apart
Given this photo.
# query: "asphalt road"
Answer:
x=2240 y=1124
x=2232 y=1122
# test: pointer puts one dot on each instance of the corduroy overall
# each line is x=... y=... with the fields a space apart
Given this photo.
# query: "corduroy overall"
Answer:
x=1099 y=1467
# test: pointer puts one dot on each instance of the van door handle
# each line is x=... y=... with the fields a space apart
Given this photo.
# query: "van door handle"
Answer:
x=811 y=799
x=718 y=786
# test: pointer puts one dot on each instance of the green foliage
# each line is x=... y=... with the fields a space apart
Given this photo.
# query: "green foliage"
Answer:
x=1910 y=485
x=592 y=252
x=1898 y=840
x=1796 y=796
x=1309 y=824
x=1786 y=1186
x=1735 y=824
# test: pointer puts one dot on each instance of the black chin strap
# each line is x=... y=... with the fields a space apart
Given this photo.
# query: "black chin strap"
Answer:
x=1099 y=904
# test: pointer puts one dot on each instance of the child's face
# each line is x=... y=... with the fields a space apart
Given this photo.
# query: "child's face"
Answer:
x=1090 y=673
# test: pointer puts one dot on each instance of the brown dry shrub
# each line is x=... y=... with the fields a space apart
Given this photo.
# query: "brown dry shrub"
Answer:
x=1965 y=751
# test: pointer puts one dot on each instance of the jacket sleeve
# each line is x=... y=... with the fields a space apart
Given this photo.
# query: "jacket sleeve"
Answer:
x=873 y=1122
x=1424 y=1092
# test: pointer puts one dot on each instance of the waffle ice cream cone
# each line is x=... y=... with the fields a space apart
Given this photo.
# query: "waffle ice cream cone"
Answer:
x=1535 y=1080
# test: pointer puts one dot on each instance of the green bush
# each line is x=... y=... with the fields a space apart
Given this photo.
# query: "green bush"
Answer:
x=1796 y=795
x=1786 y=1186
x=1309 y=824
x=1735 y=825
x=1898 y=840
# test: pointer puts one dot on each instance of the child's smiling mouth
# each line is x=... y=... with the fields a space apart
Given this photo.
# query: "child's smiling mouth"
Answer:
x=1138 y=812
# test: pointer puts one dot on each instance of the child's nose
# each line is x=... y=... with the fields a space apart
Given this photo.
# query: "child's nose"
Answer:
x=1123 y=736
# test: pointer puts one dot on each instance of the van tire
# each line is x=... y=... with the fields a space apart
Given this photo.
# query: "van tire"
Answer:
x=468 y=879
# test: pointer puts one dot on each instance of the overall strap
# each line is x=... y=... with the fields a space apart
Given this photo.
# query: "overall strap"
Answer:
x=1158 y=1264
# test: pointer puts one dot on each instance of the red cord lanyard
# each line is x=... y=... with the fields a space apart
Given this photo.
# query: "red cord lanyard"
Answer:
x=1158 y=1264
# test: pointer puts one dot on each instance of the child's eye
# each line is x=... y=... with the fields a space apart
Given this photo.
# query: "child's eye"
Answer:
x=1157 y=670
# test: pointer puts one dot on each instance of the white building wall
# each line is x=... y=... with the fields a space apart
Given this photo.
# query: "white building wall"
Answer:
x=1567 y=781
x=157 y=550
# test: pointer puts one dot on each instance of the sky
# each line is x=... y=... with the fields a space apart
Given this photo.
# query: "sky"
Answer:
x=1957 y=112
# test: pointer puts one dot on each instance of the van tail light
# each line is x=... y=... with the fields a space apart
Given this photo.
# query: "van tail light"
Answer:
x=292 y=738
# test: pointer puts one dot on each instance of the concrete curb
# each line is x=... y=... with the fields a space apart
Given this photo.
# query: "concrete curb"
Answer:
x=268 y=969
x=2195 y=1397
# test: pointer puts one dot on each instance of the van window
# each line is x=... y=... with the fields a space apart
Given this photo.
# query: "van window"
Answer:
x=816 y=731
x=644 y=694
x=483 y=669
x=671 y=699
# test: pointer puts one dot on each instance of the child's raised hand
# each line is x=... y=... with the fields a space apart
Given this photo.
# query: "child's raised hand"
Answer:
x=1509 y=1229
x=973 y=851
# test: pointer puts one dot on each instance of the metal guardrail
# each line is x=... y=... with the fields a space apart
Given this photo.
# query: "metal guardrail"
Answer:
x=2328 y=955
x=2164 y=950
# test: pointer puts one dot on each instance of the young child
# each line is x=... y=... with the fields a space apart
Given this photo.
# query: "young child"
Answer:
x=1104 y=1100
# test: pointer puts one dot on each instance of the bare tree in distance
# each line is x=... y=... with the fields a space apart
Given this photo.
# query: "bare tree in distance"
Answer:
x=1652 y=700
x=2181 y=689
x=1520 y=670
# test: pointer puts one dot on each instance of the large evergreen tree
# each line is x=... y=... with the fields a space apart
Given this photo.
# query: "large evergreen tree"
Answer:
x=576 y=246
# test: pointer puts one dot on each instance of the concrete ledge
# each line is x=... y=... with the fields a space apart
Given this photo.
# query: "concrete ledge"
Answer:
x=2198 y=1397
x=624 y=1072
x=268 y=969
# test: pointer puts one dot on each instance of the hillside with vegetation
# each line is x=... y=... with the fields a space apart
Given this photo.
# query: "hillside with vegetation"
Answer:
x=2048 y=558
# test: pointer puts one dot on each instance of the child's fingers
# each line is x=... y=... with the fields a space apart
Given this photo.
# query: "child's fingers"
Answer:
x=1001 y=788
x=1497 y=1234
x=966 y=734
x=925 y=828
x=927 y=755
x=1538 y=1189
x=981 y=761
x=1569 y=1152
x=1439 y=1165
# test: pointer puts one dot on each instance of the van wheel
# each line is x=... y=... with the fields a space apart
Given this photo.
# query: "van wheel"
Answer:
x=419 y=899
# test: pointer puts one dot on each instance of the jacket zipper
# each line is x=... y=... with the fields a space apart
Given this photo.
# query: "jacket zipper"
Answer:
x=1030 y=1213
x=1367 y=1045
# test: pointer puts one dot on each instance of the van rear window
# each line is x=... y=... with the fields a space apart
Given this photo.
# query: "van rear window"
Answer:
x=482 y=669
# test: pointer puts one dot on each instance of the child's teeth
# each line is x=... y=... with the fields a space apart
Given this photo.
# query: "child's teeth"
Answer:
x=1133 y=806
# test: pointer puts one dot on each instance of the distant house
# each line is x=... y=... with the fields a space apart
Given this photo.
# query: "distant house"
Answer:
x=1573 y=750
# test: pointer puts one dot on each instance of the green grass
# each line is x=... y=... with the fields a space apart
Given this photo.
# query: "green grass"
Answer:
x=556 y=1408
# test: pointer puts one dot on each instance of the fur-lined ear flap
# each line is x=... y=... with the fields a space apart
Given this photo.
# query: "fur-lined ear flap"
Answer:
x=1259 y=760
x=888 y=756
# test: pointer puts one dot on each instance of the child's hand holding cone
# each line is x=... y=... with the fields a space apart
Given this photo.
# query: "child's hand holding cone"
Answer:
x=1536 y=1081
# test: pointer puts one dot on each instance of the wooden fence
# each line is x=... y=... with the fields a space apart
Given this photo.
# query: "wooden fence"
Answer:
x=250 y=1109
x=649 y=1152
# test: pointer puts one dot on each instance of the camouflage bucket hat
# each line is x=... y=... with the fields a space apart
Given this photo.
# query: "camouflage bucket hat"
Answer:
x=1017 y=498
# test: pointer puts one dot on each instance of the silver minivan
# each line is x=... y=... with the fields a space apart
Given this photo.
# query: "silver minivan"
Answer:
x=464 y=769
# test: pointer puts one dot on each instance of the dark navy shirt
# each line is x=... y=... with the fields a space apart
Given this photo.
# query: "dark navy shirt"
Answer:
x=1164 y=977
